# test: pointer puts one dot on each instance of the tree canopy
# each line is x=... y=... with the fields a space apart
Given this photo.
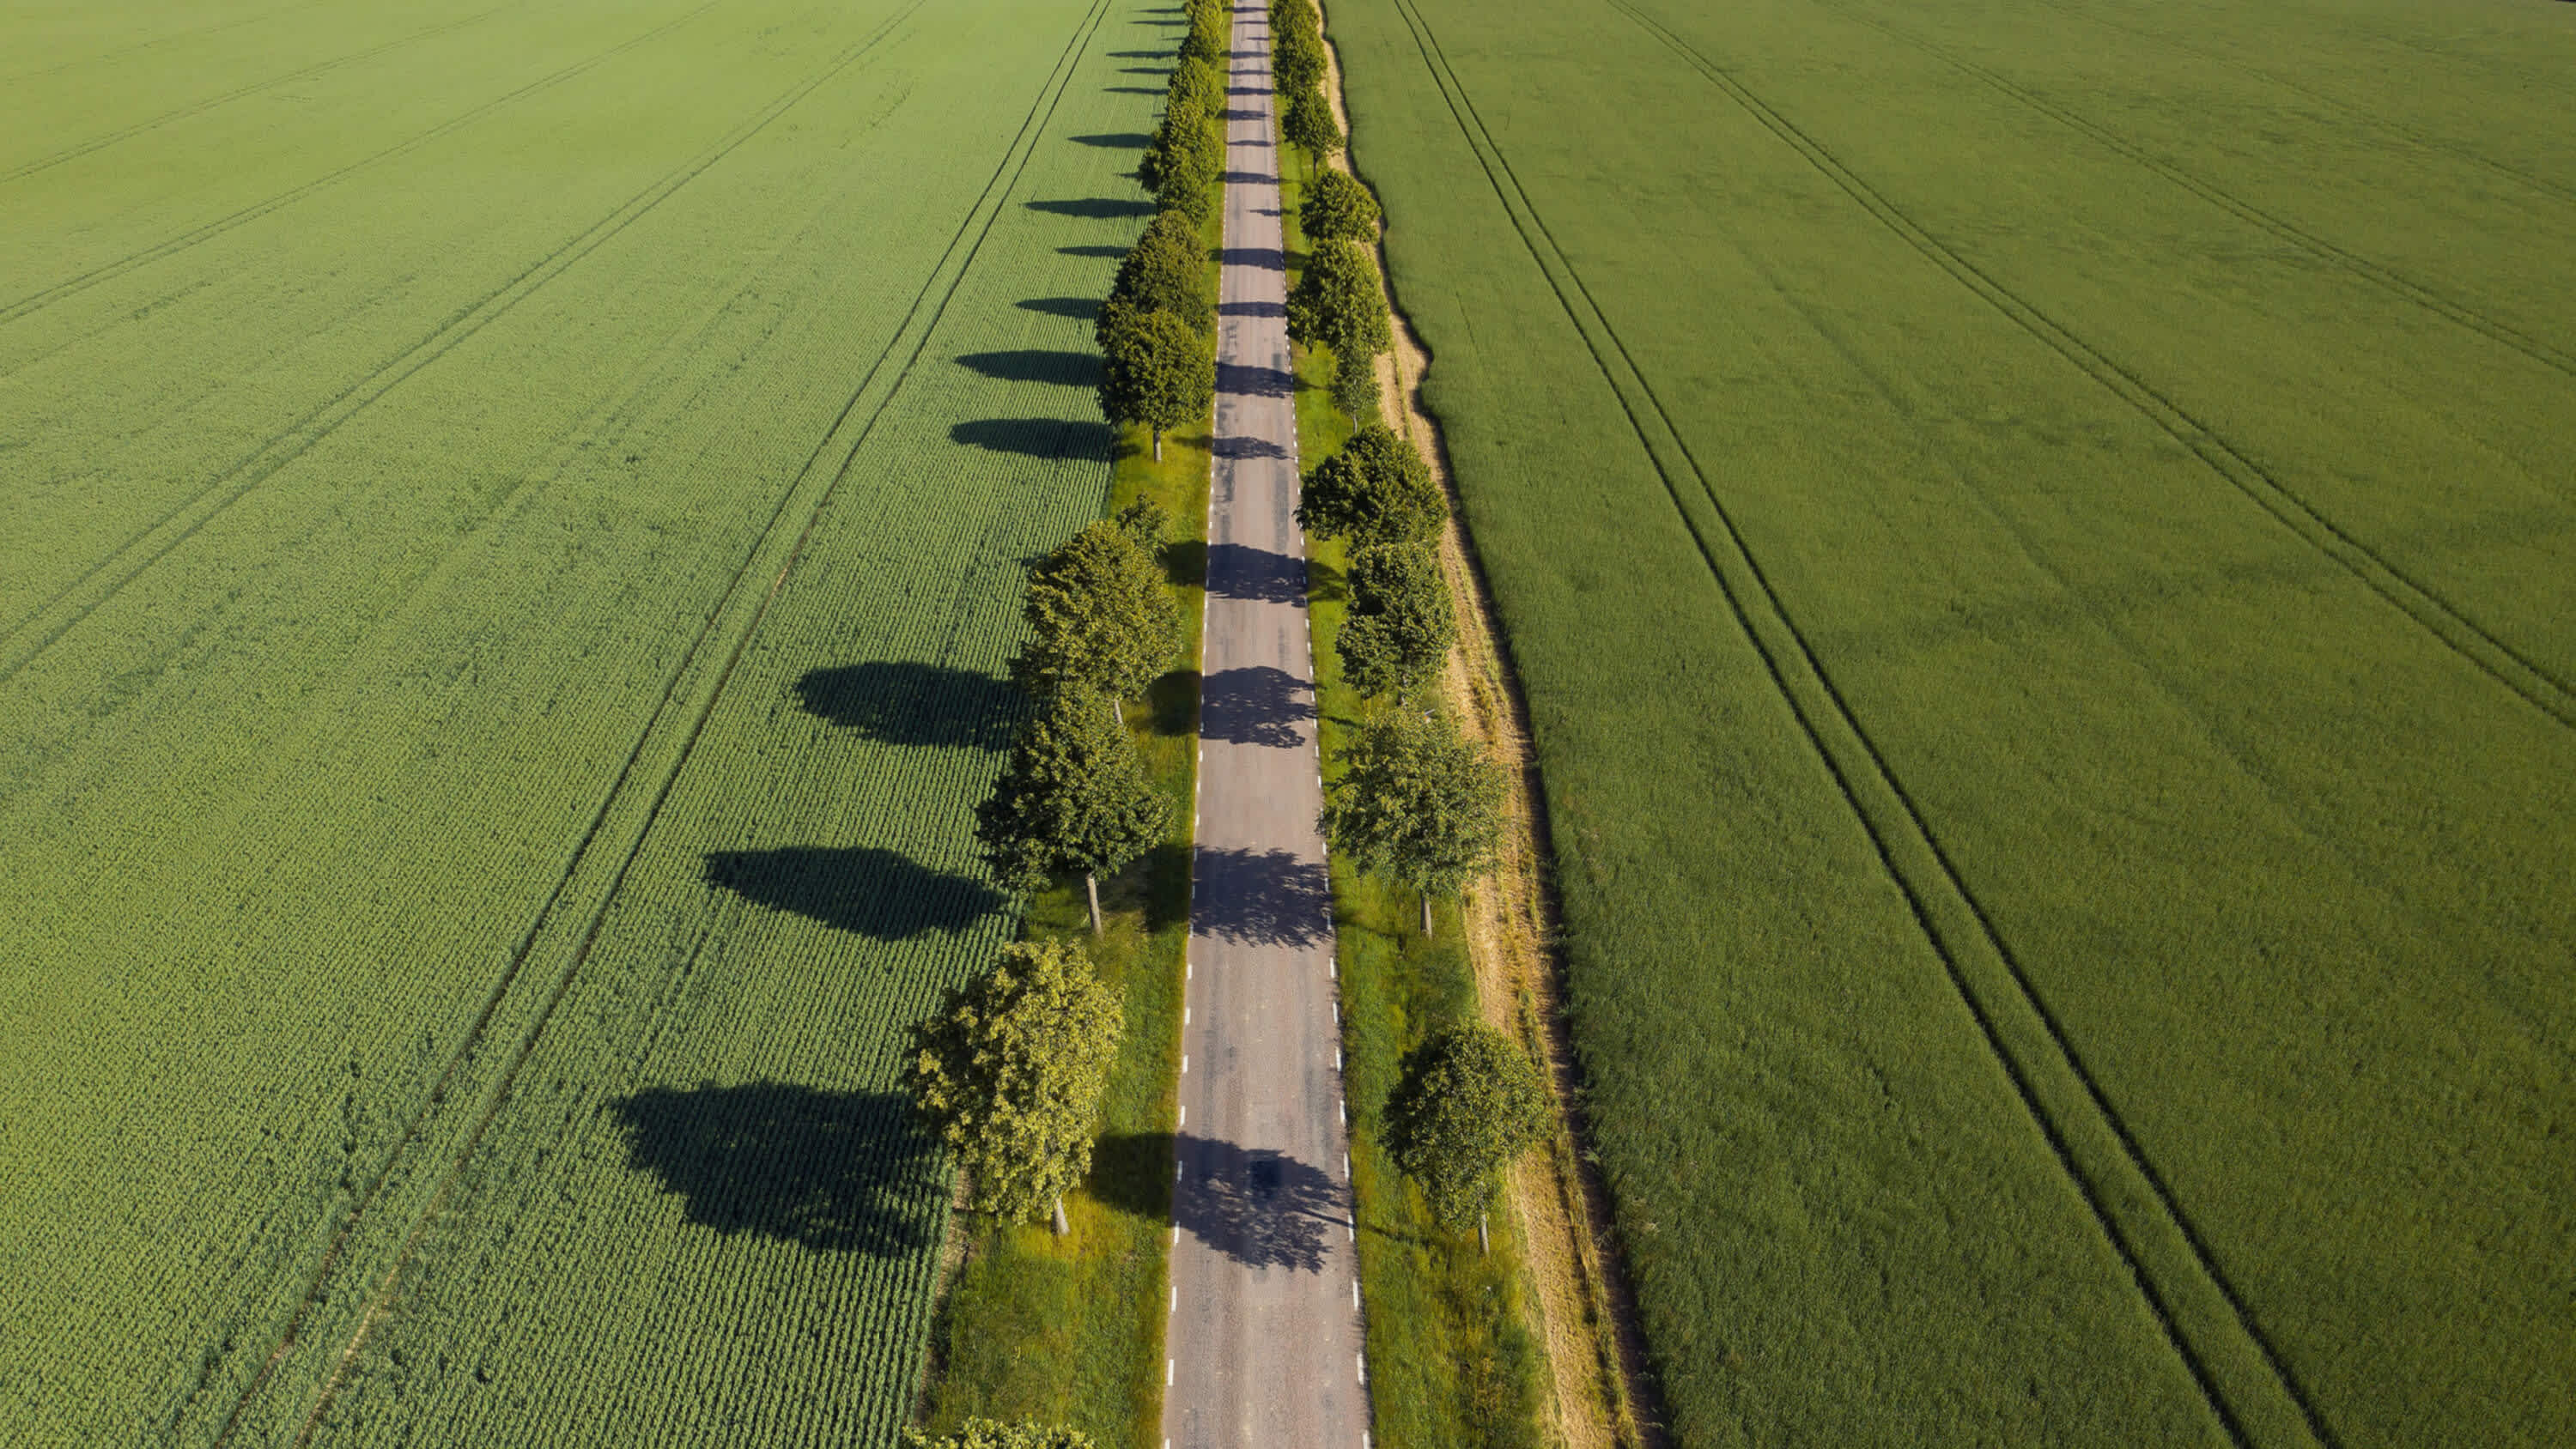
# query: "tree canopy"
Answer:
x=1468 y=1102
x=1010 y=1069
x=1337 y=302
x=1308 y=123
x=1336 y=207
x=1103 y=622
x=1073 y=799
x=1401 y=621
x=1165 y=271
x=1156 y=370
x=1419 y=802
x=1377 y=489
x=1354 y=386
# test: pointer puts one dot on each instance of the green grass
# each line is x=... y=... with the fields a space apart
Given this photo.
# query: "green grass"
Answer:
x=2037 y=544
x=1451 y=1362
x=513 y=524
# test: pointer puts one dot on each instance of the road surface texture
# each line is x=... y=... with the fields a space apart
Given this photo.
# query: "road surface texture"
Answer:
x=1265 y=1325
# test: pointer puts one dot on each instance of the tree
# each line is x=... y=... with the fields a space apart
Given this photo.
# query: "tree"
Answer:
x=1196 y=82
x=1418 y=802
x=1468 y=1102
x=1147 y=523
x=1337 y=207
x=1166 y=271
x=1208 y=37
x=1156 y=370
x=1296 y=49
x=992 y=1434
x=1354 y=387
x=1009 y=1072
x=1336 y=302
x=1188 y=172
x=1074 y=798
x=1104 y=624
x=1308 y=124
x=1401 y=621
x=1376 y=489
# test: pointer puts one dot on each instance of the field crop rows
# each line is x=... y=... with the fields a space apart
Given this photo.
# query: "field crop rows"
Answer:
x=513 y=525
x=2038 y=542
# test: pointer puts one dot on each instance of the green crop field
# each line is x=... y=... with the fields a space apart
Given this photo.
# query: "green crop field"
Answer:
x=2041 y=541
x=510 y=527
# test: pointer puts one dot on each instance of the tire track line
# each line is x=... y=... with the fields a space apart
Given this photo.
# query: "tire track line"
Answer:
x=2499 y=661
x=37 y=301
x=2494 y=331
x=2242 y=1379
x=2350 y=112
x=98 y=143
x=104 y=56
x=176 y=526
x=920 y=324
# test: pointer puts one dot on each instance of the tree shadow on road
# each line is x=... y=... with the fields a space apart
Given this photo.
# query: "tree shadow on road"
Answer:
x=1262 y=897
x=1256 y=705
x=1261 y=1208
x=1237 y=571
x=839 y=1172
x=1238 y=379
x=881 y=894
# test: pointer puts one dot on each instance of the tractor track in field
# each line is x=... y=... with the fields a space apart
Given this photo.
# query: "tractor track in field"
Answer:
x=2345 y=109
x=104 y=56
x=100 y=143
x=2389 y=280
x=2491 y=656
x=2250 y=1389
x=44 y=297
x=149 y=545
x=919 y=325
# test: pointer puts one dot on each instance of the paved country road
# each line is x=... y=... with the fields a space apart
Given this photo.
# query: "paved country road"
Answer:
x=1265 y=1325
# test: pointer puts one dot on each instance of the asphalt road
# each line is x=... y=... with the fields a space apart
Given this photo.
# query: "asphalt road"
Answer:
x=1264 y=1336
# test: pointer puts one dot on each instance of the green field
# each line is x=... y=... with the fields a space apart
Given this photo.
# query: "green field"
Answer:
x=510 y=527
x=2041 y=544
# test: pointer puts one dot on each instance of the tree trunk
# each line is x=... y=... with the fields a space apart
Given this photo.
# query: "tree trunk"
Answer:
x=1091 y=883
x=1484 y=1246
x=1061 y=1226
x=1426 y=915
x=1158 y=445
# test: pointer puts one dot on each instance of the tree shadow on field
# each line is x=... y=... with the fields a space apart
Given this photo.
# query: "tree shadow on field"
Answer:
x=1080 y=309
x=1097 y=208
x=1091 y=251
x=839 y=1172
x=1131 y=90
x=905 y=703
x=1063 y=369
x=1263 y=1209
x=881 y=894
x=1036 y=437
x=1116 y=140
